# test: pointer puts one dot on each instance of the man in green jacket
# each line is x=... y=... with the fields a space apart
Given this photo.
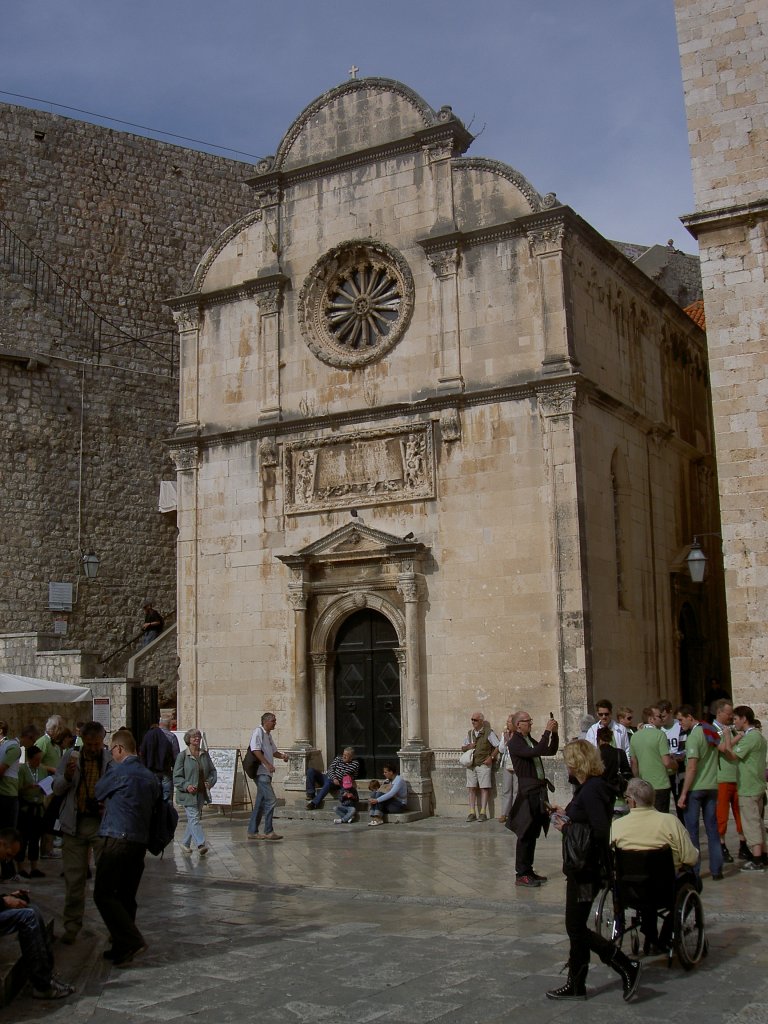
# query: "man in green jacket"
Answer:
x=699 y=794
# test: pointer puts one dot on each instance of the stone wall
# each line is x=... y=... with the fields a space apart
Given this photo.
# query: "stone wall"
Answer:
x=123 y=222
x=724 y=57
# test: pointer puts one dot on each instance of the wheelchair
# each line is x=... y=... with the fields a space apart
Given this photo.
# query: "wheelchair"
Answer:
x=646 y=898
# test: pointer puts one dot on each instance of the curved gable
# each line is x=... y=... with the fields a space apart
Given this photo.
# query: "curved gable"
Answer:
x=491 y=192
x=357 y=115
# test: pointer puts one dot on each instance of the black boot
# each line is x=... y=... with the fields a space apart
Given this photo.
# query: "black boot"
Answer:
x=575 y=987
x=744 y=853
x=629 y=971
x=727 y=858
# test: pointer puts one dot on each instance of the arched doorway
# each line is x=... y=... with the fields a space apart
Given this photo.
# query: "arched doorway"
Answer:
x=367 y=689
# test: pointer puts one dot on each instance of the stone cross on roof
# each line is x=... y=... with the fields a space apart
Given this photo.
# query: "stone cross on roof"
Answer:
x=353 y=71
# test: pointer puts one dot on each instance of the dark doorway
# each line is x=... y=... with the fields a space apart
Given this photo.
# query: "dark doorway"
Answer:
x=145 y=710
x=367 y=689
x=691 y=676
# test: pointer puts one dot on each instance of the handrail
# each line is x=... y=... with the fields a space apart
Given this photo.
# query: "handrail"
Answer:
x=170 y=621
x=46 y=284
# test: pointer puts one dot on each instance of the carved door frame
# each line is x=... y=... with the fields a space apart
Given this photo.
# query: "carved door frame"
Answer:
x=322 y=656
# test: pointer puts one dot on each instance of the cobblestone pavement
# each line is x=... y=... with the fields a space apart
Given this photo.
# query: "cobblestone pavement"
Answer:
x=406 y=923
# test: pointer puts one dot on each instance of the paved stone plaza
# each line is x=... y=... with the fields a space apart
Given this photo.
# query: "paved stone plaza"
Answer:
x=398 y=924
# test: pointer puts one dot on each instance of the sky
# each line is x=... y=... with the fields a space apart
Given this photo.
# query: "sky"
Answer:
x=582 y=97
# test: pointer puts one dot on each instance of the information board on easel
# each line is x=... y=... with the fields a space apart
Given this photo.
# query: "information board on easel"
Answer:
x=231 y=789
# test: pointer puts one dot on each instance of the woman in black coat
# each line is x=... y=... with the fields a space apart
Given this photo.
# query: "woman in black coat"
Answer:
x=592 y=805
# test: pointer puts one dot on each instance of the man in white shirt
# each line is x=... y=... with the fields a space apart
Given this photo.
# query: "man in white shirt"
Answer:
x=265 y=752
x=605 y=720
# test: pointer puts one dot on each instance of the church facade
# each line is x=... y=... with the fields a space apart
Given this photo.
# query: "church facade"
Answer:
x=441 y=447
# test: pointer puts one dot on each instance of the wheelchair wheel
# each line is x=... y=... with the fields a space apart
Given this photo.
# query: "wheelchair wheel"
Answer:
x=689 y=938
x=605 y=921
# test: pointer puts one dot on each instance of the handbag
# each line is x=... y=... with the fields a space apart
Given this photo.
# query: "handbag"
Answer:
x=577 y=848
x=250 y=763
x=466 y=758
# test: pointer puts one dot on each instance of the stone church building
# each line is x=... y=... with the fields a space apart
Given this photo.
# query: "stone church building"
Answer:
x=440 y=447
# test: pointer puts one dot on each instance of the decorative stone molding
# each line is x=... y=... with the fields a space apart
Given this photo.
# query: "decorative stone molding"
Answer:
x=438 y=151
x=408 y=586
x=186 y=319
x=186 y=459
x=269 y=301
x=450 y=425
x=367 y=467
x=297 y=596
x=445 y=262
x=544 y=240
x=356 y=303
x=269 y=454
x=561 y=400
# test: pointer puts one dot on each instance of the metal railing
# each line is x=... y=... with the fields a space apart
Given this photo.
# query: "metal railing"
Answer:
x=103 y=335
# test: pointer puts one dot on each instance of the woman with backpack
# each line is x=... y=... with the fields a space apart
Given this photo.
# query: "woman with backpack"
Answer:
x=194 y=774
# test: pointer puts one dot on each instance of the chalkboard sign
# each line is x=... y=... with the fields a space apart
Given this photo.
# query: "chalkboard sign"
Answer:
x=226 y=763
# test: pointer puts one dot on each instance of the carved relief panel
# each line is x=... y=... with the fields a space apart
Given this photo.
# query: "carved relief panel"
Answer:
x=372 y=467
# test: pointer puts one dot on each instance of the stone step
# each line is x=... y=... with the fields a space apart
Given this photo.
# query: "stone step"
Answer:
x=326 y=813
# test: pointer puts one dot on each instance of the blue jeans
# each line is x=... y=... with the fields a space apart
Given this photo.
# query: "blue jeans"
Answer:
x=704 y=801
x=35 y=949
x=346 y=811
x=388 y=807
x=264 y=805
x=316 y=778
x=194 y=833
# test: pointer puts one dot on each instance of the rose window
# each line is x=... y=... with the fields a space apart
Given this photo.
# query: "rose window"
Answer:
x=356 y=303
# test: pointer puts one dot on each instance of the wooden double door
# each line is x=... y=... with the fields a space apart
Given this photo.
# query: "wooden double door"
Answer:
x=367 y=690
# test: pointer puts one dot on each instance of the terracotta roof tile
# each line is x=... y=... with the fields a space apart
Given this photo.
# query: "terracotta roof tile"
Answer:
x=696 y=312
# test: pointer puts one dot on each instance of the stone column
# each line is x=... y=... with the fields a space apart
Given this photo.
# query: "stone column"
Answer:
x=408 y=587
x=269 y=352
x=445 y=265
x=187 y=320
x=546 y=248
x=186 y=459
x=301 y=695
x=557 y=405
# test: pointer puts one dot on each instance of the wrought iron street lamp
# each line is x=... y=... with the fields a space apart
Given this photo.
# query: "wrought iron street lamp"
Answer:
x=90 y=563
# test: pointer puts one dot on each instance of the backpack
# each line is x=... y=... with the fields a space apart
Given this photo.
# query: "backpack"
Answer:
x=162 y=826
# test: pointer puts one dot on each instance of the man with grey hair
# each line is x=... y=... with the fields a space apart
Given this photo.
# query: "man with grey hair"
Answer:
x=345 y=764
x=484 y=743
x=645 y=828
x=49 y=744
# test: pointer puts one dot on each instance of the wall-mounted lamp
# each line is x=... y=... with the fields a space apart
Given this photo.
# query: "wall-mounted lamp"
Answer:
x=697 y=560
x=90 y=563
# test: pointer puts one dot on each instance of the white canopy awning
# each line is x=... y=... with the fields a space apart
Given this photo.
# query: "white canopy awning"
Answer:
x=25 y=690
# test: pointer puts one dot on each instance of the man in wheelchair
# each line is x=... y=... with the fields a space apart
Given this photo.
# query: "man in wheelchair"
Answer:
x=653 y=880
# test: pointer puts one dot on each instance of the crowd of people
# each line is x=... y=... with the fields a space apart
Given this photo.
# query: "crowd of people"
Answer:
x=639 y=785
x=100 y=798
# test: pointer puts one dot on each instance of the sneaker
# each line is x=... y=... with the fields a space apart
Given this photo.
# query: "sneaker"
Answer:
x=752 y=865
x=482 y=816
x=527 y=880
x=56 y=990
x=202 y=850
x=744 y=853
x=252 y=835
x=127 y=958
x=472 y=816
x=273 y=836
x=375 y=821
x=186 y=850
x=337 y=821
x=727 y=858
x=311 y=805
x=539 y=878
